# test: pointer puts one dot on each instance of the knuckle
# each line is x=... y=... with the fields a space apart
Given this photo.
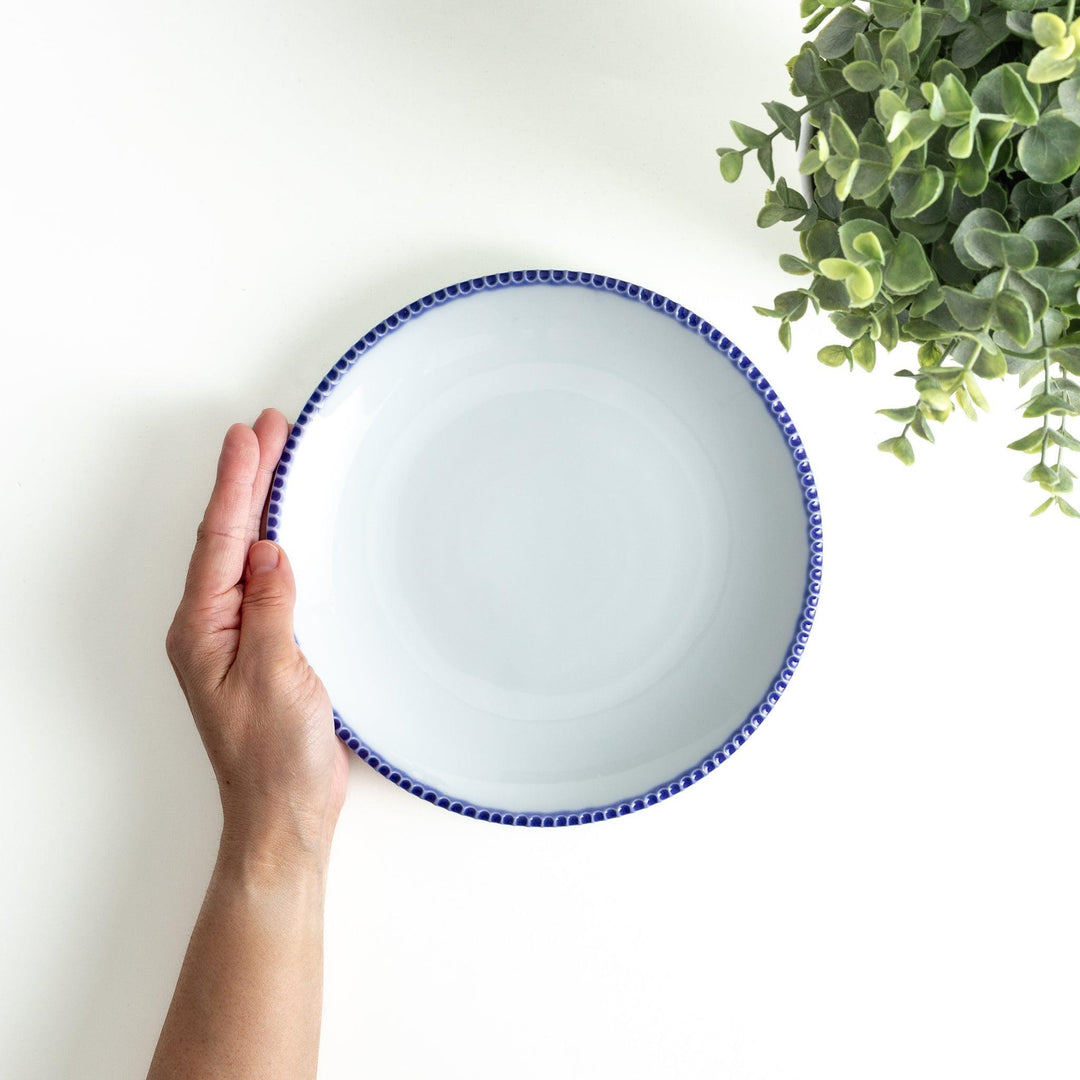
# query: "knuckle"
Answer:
x=268 y=600
x=176 y=642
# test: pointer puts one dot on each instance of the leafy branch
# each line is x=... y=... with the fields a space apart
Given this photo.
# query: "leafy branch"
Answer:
x=938 y=204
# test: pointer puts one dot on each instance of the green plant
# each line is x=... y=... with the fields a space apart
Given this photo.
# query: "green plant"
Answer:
x=942 y=157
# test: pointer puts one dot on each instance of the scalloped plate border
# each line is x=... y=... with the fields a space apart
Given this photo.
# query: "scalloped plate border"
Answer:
x=742 y=363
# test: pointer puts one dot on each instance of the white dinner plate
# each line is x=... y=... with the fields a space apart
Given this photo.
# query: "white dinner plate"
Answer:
x=556 y=543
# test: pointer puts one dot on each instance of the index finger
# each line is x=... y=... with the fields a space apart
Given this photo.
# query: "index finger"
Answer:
x=217 y=563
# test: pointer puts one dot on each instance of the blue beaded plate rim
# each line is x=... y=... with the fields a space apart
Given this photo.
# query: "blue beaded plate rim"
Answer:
x=742 y=363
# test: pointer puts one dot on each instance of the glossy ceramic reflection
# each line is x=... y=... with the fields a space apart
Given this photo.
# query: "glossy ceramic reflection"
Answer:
x=557 y=546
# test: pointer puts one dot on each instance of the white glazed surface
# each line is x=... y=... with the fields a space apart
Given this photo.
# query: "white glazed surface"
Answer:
x=207 y=203
x=550 y=547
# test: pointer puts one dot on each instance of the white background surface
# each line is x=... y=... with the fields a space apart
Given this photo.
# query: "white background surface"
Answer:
x=204 y=204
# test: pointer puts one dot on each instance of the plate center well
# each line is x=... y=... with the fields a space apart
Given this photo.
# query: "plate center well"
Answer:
x=546 y=539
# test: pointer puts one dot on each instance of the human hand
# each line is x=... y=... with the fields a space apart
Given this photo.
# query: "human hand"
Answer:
x=263 y=714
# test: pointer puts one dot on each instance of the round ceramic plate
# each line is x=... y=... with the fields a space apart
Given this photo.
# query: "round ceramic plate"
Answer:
x=556 y=543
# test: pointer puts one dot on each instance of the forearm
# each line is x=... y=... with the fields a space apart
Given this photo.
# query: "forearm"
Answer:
x=248 y=1001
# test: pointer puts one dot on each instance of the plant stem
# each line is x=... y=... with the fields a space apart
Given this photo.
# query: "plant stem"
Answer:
x=800 y=113
x=1069 y=14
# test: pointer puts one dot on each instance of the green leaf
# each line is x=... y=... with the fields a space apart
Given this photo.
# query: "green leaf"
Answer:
x=731 y=166
x=1045 y=506
x=859 y=224
x=749 y=136
x=970 y=311
x=791 y=305
x=1065 y=508
x=1030 y=443
x=1058 y=284
x=1045 y=67
x=1068 y=96
x=837 y=36
x=900 y=448
x=841 y=138
x=831 y=295
x=835 y=355
x=910 y=32
x=909 y=131
x=836 y=269
x=863 y=75
x=816 y=20
x=895 y=53
x=784 y=117
x=1062 y=438
x=864 y=353
x=901 y=416
x=875 y=164
x=991 y=248
x=937 y=401
x=1012 y=314
x=929 y=298
x=990 y=365
x=907 y=270
x=784 y=333
x=1041 y=474
x=862 y=285
x=972 y=175
x=822 y=241
x=1019 y=22
x=1049 y=29
x=1068 y=357
x=869 y=247
x=950 y=103
x=922 y=428
x=963 y=399
x=1055 y=241
x=792 y=265
x=891 y=12
x=887 y=105
x=781 y=204
x=806 y=72
x=1018 y=102
x=852 y=324
x=845 y=179
x=1033 y=199
x=978 y=38
x=1050 y=151
x=962 y=142
x=764 y=157
x=1047 y=404
x=772 y=213
x=975 y=390
x=914 y=193
x=929 y=354
x=1025 y=368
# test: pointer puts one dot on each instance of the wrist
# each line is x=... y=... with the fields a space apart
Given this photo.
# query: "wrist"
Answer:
x=285 y=850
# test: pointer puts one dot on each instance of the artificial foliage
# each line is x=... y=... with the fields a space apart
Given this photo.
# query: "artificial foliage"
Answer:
x=939 y=205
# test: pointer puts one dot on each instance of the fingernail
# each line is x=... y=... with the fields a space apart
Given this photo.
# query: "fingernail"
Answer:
x=263 y=556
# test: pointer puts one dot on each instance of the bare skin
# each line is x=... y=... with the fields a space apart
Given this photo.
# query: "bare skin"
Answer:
x=248 y=1001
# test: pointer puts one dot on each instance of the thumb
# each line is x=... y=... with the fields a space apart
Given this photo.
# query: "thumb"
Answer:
x=266 y=613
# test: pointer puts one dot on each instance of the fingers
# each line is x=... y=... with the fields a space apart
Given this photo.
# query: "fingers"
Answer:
x=217 y=563
x=271 y=429
x=266 y=614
